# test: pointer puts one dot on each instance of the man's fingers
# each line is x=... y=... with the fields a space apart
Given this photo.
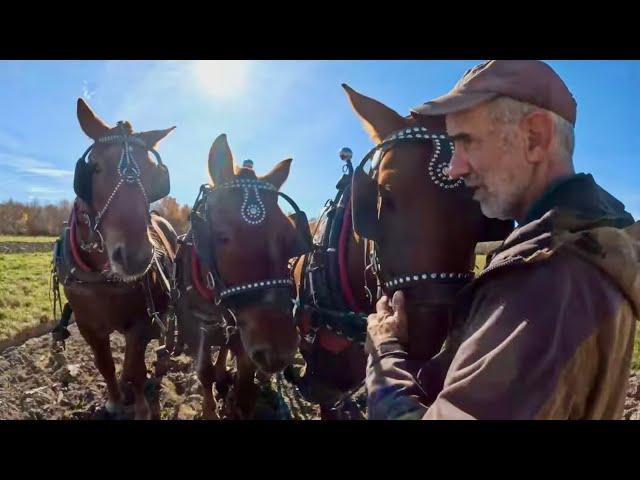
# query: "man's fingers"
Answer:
x=383 y=305
x=397 y=302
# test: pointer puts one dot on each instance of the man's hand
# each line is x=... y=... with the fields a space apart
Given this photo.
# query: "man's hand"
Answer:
x=388 y=323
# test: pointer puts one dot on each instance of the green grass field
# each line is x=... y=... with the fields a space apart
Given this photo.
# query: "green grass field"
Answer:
x=24 y=292
x=25 y=238
x=481 y=262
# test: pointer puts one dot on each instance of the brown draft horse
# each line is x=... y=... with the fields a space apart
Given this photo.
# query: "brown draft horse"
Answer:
x=113 y=249
x=232 y=272
x=334 y=356
x=419 y=229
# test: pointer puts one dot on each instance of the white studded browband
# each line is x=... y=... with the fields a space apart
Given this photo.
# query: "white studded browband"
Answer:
x=438 y=173
x=132 y=137
x=414 y=132
x=247 y=287
x=127 y=162
x=252 y=211
x=420 y=277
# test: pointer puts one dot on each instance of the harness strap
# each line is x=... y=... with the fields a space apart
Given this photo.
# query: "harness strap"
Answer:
x=165 y=280
x=151 y=308
x=342 y=260
x=74 y=244
x=195 y=276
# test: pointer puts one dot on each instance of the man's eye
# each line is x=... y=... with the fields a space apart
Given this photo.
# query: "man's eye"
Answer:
x=461 y=142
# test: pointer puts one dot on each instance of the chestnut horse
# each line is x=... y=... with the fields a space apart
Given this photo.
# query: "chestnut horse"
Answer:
x=232 y=273
x=413 y=229
x=335 y=293
x=112 y=259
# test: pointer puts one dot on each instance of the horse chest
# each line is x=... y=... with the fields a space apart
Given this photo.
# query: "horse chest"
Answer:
x=107 y=308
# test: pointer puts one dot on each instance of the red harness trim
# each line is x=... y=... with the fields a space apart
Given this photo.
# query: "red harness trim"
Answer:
x=342 y=261
x=74 y=246
x=329 y=340
x=195 y=276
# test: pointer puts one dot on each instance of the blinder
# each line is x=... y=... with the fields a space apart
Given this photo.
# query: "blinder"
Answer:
x=364 y=205
x=160 y=185
x=205 y=249
x=160 y=181
x=366 y=216
x=304 y=241
x=200 y=226
x=82 y=178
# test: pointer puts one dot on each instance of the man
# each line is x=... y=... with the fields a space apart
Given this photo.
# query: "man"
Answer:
x=549 y=326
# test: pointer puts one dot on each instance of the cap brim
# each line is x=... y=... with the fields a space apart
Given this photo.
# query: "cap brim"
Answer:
x=453 y=102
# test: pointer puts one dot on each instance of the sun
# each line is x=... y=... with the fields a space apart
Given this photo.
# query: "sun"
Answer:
x=221 y=78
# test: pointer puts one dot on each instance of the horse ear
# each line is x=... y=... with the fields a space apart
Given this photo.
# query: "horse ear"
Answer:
x=379 y=120
x=153 y=137
x=220 y=161
x=278 y=175
x=91 y=125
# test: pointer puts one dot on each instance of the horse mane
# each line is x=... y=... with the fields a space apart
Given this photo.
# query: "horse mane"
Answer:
x=240 y=172
x=159 y=232
x=244 y=172
x=127 y=127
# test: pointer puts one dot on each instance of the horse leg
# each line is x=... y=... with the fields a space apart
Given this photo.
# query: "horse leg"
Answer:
x=246 y=389
x=134 y=372
x=206 y=375
x=101 y=347
x=223 y=377
x=170 y=339
x=163 y=352
x=179 y=346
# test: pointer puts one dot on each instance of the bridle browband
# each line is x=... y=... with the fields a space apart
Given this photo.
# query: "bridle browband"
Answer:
x=252 y=212
x=129 y=173
x=438 y=174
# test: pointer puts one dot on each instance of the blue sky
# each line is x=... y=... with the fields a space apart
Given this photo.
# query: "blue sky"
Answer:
x=272 y=110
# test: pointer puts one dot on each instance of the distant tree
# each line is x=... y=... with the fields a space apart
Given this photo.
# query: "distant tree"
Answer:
x=32 y=218
x=176 y=214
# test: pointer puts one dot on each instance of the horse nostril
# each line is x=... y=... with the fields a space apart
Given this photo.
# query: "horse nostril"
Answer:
x=118 y=255
x=260 y=357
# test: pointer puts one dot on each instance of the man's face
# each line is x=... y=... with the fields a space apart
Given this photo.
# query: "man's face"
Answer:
x=491 y=158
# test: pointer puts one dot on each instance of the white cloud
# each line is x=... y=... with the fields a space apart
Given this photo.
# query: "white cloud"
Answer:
x=21 y=162
x=30 y=165
x=48 y=190
x=50 y=172
x=87 y=92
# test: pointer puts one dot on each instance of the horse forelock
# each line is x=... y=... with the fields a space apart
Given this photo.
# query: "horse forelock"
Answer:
x=248 y=173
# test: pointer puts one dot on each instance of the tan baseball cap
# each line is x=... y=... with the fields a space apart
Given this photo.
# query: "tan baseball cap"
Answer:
x=530 y=81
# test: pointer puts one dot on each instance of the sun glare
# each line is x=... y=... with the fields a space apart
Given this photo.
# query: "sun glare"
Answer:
x=222 y=78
